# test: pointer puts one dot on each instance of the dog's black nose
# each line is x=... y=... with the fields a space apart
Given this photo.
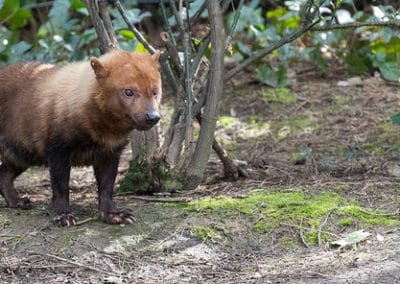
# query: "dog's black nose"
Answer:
x=152 y=117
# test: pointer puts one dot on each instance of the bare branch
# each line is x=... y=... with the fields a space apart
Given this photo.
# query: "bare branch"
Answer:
x=105 y=43
x=275 y=45
x=390 y=24
x=132 y=27
x=105 y=16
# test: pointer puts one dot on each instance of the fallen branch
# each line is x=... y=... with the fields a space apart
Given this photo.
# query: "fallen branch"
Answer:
x=161 y=199
x=77 y=264
x=323 y=224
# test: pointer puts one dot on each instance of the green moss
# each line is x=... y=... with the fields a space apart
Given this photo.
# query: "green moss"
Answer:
x=207 y=233
x=226 y=121
x=254 y=119
x=347 y=221
x=144 y=178
x=372 y=217
x=386 y=141
x=342 y=100
x=372 y=147
x=341 y=187
x=296 y=125
x=262 y=227
x=298 y=156
x=289 y=242
x=137 y=179
x=279 y=95
x=68 y=240
x=269 y=211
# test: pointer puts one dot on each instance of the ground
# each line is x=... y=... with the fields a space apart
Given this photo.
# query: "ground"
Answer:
x=322 y=162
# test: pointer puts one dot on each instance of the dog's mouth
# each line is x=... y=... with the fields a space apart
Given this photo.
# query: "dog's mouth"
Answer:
x=141 y=125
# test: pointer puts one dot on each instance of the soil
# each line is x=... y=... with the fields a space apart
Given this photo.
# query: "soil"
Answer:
x=331 y=147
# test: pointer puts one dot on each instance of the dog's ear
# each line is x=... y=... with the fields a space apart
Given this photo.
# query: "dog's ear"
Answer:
x=98 y=68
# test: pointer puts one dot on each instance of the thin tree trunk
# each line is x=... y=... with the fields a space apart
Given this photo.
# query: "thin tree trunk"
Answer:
x=198 y=162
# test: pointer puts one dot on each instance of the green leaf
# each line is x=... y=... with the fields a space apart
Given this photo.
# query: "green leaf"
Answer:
x=357 y=64
x=8 y=9
x=59 y=13
x=351 y=238
x=20 y=48
x=390 y=71
x=140 y=48
x=272 y=77
x=395 y=119
x=12 y=13
x=20 y=18
x=77 y=4
x=127 y=34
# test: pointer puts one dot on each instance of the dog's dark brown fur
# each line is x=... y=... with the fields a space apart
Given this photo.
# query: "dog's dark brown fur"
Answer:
x=75 y=115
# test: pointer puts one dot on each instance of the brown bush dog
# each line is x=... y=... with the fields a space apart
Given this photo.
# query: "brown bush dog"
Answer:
x=75 y=115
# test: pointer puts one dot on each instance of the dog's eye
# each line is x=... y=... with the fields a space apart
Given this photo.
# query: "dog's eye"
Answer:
x=130 y=92
x=155 y=92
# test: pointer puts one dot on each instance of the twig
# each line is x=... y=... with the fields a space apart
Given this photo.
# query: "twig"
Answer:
x=72 y=262
x=302 y=238
x=172 y=51
x=163 y=200
x=137 y=33
x=176 y=15
x=108 y=26
x=379 y=214
x=355 y=25
x=105 y=43
x=323 y=224
x=81 y=222
x=273 y=46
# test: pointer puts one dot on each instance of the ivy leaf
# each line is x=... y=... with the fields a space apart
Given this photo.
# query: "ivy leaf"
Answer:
x=396 y=119
x=59 y=13
x=8 y=7
x=390 y=71
x=351 y=239
x=20 y=18
x=272 y=76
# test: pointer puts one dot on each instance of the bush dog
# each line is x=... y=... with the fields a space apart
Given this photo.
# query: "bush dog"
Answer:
x=75 y=115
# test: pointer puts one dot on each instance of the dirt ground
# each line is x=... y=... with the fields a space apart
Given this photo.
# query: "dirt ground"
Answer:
x=337 y=134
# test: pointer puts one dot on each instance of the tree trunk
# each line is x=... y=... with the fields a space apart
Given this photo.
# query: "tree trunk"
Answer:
x=198 y=162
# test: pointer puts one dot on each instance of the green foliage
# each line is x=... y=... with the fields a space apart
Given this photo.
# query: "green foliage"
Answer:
x=396 y=119
x=60 y=32
x=363 y=49
x=140 y=177
x=274 y=77
x=12 y=12
x=137 y=179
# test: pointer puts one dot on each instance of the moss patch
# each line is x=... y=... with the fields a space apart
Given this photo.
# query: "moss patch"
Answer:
x=296 y=125
x=342 y=100
x=281 y=96
x=226 y=121
x=387 y=140
x=143 y=178
x=266 y=212
x=208 y=233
